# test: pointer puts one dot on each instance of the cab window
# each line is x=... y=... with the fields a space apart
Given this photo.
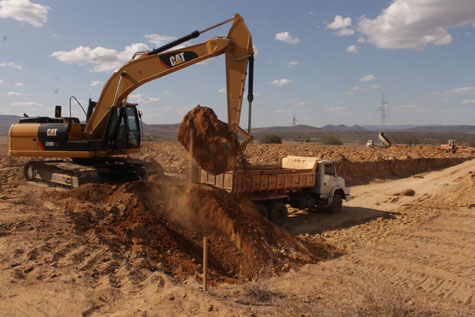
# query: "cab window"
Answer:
x=329 y=170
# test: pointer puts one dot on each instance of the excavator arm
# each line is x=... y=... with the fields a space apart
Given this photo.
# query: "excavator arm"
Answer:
x=237 y=47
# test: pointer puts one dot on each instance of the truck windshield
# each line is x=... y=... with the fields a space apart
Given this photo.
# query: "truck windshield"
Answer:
x=329 y=170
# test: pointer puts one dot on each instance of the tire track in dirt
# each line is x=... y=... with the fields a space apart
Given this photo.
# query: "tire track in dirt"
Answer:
x=423 y=260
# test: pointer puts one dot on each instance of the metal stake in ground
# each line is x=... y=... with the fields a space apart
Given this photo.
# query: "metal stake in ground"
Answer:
x=205 y=264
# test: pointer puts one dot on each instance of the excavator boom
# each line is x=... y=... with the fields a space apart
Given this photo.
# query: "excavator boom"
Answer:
x=237 y=47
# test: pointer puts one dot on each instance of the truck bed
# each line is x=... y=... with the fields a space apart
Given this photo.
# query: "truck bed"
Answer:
x=261 y=180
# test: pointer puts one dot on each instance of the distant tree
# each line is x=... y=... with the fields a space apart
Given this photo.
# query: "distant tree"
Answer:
x=331 y=140
x=306 y=140
x=270 y=139
x=409 y=139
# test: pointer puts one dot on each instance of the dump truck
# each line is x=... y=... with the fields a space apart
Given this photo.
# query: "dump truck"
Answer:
x=303 y=182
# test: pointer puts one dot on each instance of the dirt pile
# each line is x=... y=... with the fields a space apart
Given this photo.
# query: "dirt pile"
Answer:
x=166 y=223
x=207 y=139
x=360 y=164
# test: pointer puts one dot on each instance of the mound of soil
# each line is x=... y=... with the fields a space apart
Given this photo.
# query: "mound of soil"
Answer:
x=166 y=223
x=207 y=139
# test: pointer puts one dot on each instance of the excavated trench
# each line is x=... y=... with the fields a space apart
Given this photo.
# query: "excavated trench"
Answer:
x=360 y=173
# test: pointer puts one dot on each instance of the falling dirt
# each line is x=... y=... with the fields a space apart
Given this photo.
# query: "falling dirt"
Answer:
x=207 y=139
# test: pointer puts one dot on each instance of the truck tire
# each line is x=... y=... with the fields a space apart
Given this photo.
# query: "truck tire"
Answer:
x=336 y=204
x=262 y=210
x=278 y=212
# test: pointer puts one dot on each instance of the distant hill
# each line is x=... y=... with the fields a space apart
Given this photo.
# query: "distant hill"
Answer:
x=161 y=129
x=348 y=134
x=6 y=121
x=301 y=128
x=424 y=128
x=343 y=128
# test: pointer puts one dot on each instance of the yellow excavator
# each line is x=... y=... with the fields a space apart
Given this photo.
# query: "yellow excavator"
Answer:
x=113 y=125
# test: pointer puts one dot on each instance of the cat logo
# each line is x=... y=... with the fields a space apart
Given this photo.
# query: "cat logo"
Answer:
x=177 y=58
x=51 y=132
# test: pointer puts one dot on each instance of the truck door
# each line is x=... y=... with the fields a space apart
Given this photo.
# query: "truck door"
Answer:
x=329 y=179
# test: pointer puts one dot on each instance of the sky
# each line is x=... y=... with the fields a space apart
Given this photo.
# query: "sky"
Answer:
x=320 y=62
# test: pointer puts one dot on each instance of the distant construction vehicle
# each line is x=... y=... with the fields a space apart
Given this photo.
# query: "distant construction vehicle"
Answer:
x=450 y=147
x=383 y=142
x=304 y=182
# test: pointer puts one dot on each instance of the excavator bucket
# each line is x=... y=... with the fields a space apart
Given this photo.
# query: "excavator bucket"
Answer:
x=208 y=140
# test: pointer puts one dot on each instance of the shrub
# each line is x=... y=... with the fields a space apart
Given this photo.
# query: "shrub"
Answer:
x=331 y=140
x=270 y=139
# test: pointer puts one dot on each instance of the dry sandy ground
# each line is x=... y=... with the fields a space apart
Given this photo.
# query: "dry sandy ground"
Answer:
x=400 y=246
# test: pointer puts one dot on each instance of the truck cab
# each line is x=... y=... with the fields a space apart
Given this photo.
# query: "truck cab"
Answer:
x=329 y=189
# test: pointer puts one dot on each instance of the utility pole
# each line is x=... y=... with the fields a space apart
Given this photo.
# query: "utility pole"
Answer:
x=383 y=109
x=294 y=122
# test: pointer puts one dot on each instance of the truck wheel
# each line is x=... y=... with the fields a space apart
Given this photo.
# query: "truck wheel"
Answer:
x=278 y=213
x=262 y=210
x=336 y=203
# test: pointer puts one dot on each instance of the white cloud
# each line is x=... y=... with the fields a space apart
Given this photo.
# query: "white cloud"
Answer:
x=345 y=32
x=18 y=84
x=159 y=40
x=352 y=49
x=339 y=22
x=11 y=64
x=407 y=108
x=104 y=59
x=25 y=11
x=256 y=51
x=464 y=91
x=358 y=89
x=25 y=104
x=286 y=37
x=310 y=13
x=166 y=108
x=469 y=102
x=142 y=99
x=222 y=90
x=14 y=93
x=1 y=82
x=281 y=82
x=298 y=102
x=367 y=78
x=361 y=40
x=354 y=90
x=412 y=24
x=283 y=110
x=95 y=83
x=291 y=64
x=337 y=109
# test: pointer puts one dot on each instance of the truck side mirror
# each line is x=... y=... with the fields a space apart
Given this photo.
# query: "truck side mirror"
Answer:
x=57 y=111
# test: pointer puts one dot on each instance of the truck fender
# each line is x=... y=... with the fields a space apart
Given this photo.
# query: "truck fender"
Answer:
x=343 y=191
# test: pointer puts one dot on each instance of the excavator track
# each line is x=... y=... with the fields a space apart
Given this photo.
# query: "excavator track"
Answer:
x=71 y=174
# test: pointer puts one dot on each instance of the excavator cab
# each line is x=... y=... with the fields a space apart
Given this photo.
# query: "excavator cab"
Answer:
x=123 y=129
